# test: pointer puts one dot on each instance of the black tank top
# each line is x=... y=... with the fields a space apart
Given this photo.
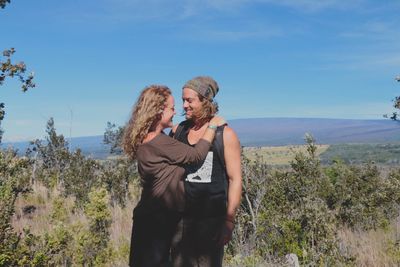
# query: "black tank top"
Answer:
x=205 y=183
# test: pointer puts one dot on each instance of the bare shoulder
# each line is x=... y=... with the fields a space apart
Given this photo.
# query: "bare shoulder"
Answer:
x=230 y=135
x=232 y=151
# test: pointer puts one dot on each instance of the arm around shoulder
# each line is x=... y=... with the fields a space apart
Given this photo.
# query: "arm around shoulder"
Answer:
x=178 y=153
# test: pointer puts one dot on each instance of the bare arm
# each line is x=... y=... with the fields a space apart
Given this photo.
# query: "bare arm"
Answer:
x=234 y=172
x=180 y=153
x=208 y=135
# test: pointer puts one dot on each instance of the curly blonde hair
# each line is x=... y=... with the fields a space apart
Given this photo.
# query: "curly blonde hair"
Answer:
x=146 y=113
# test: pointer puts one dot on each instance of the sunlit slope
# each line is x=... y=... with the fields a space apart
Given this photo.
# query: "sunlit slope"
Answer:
x=278 y=155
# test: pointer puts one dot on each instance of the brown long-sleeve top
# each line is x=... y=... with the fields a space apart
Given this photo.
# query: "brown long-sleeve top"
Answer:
x=160 y=167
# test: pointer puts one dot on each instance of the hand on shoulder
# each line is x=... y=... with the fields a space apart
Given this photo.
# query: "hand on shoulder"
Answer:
x=218 y=121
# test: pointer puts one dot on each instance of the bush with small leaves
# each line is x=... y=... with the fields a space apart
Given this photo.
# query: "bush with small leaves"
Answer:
x=361 y=197
x=93 y=245
x=116 y=176
x=284 y=211
x=14 y=180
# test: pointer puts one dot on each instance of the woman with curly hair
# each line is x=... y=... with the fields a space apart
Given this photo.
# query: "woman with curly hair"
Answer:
x=160 y=161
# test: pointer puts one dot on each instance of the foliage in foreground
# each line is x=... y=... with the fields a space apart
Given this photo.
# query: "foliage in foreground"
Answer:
x=95 y=187
x=301 y=210
x=297 y=210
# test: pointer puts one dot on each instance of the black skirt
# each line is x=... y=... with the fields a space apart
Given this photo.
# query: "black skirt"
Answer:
x=153 y=228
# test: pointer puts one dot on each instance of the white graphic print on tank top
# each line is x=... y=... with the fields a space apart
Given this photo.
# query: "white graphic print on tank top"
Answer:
x=202 y=174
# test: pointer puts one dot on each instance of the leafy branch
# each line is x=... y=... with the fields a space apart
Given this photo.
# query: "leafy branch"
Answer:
x=3 y=3
x=396 y=104
x=9 y=69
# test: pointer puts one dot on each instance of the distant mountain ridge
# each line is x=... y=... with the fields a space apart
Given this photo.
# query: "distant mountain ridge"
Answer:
x=291 y=131
x=276 y=132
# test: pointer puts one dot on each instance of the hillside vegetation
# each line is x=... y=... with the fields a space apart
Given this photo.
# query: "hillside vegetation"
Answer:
x=59 y=208
x=278 y=155
x=383 y=154
x=386 y=153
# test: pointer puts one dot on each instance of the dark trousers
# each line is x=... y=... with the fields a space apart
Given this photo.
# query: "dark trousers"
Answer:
x=195 y=243
x=152 y=232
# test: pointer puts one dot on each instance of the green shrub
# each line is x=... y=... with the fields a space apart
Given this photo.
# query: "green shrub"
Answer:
x=93 y=244
x=116 y=176
x=361 y=197
x=285 y=211
x=14 y=180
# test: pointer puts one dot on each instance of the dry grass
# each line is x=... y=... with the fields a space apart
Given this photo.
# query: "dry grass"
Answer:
x=278 y=155
x=39 y=221
x=121 y=227
x=371 y=248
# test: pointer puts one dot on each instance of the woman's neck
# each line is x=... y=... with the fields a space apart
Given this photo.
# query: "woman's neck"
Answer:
x=198 y=124
x=152 y=134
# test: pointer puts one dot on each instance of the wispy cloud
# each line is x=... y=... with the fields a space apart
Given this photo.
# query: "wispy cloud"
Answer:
x=224 y=35
x=207 y=14
x=370 y=44
x=377 y=30
x=315 y=5
x=302 y=5
x=186 y=9
x=362 y=61
x=245 y=31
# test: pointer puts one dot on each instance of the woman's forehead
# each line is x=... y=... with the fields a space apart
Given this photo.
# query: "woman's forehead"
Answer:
x=189 y=93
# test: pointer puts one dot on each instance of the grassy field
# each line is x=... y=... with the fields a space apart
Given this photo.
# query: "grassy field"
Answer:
x=386 y=154
x=278 y=155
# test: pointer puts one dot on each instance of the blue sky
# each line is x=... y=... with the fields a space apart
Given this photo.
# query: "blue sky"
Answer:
x=271 y=58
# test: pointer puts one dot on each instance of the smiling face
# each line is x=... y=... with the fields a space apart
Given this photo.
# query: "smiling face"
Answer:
x=191 y=103
x=168 y=113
